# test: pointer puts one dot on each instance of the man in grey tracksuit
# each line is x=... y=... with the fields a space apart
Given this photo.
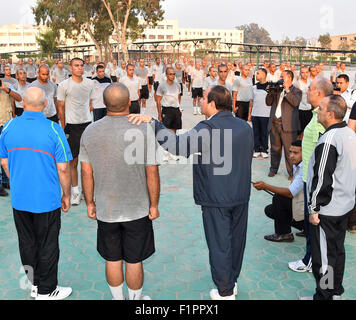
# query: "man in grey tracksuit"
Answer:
x=331 y=197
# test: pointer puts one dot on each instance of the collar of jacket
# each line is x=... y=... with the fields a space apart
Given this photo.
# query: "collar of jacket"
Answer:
x=222 y=114
x=338 y=125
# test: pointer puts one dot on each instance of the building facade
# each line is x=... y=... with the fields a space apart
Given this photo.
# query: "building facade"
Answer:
x=343 y=42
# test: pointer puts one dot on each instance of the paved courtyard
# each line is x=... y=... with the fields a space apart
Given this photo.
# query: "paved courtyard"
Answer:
x=179 y=270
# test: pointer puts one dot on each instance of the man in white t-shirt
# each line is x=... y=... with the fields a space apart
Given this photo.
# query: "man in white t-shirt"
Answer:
x=241 y=94
x=74 y=98
x=273 y=76
x=198 y=77
x=211 y=80
x=121 y=72
x=305 y=109
x=60 y=73
x=21 y=76
x=132 y=83
x=168 y=102
x=189 y=69
x=259 y=114
x=142 y=73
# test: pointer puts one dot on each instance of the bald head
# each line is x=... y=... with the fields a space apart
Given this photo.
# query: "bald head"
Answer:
x=117 y=98
x=34 y=99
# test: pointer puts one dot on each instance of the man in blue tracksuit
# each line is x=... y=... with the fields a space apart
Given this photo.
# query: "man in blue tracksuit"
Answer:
x=222 y=147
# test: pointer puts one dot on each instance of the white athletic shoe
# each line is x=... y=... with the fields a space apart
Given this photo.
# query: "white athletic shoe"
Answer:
x=59 y=293
x=75 y=199
x=33 y=291
x=256 y=154
x=264 y=155
x=299 y=266
x=146 y=298
x=214 y=295
x=199 y=112
x=235 y=289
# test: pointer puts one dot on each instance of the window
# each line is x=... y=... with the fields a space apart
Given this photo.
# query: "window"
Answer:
x=160 y=37
x=207 y=33
x=354 y=38
x=169 y=27
x=343 y=38
x=152 y=37
x=160 y=27
x=169 y=37
x=213 y=34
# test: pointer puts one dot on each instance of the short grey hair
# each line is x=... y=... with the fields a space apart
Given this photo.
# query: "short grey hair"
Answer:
x=35 y=97
x=336 y=104
x=324 y=85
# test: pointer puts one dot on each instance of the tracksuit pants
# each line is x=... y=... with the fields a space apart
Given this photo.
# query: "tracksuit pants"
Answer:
x=328 y=255
x=39 y=249
x=225 y=233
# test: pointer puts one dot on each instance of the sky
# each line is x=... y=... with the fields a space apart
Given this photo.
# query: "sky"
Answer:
x=307 y=18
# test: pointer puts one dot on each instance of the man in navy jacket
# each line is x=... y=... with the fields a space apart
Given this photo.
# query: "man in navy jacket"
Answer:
x=222 y=147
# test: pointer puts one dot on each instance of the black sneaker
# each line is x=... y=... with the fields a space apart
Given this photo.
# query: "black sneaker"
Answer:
x=3 y=192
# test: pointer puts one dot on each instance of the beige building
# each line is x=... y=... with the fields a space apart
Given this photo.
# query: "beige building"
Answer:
x=343 y=42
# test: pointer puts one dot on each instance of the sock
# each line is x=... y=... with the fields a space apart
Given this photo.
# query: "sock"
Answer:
x=117 y=292
x=135 y=294
x=143 y=110
x=75 y=189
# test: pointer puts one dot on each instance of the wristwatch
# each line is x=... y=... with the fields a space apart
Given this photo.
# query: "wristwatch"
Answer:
x=311 y=211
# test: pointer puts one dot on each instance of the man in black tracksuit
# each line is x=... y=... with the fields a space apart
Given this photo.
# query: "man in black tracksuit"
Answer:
x=331 y=197
x=222 y=146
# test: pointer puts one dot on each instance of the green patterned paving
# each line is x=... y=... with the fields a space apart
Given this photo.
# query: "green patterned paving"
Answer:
x=179 y=269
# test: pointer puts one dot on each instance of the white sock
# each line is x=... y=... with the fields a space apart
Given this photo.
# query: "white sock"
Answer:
x=135 y=294
x=117 y=292
x=143 y=110
x=75 y=189
x=195 y=109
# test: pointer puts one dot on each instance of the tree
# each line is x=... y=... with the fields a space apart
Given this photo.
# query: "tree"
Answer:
x=124 y=16
x=48 y=42
x=325 y=41
x=77 y=20
x=255 y=34
x=344 y=45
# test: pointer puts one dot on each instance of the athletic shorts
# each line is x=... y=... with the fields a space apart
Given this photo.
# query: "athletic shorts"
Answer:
x=74 y=133
x=131 y=241
x=18 y=111
x=135 y=107
x=150 y=81
x=54 y=118
x=30 y=80
x=197 y=92
x=155 y=86
x=144 y=93
x=172 y=118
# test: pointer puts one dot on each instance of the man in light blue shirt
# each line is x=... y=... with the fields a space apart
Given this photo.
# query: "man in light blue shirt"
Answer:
x=288 y=203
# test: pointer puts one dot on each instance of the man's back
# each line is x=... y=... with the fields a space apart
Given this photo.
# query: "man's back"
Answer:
x=120 y=184
x=226 y=181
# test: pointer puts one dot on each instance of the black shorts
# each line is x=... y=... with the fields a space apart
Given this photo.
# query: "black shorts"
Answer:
x=18 y=111
x=150 y=81
x=172 y=118
x=155 y=85
x=113 y=78
x=54 y=118
x=131 y=241
x=189 y=78
x=135 y=107
x=74 y=133
x=304 y=118
x=197 y=92
x=181 y=89
x=30 y=80
x=144 y=93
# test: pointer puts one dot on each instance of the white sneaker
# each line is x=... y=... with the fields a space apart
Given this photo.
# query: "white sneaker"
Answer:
x=75 y=199
x=264 y=155
x=199 y=112
x=235 y=289
x=256 y=154
x=214 y=295
x=59 y=293
x=145 y=298
x=335 y=297
x=34 y=291
x=299 y=266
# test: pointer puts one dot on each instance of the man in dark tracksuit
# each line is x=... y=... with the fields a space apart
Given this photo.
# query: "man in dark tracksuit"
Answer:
x=222 y=146
x=331 y=197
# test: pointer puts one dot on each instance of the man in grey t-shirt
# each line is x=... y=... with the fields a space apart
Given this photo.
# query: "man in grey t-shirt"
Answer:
x=125 y=180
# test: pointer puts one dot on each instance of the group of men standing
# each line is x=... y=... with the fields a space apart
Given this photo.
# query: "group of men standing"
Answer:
x=59 y=120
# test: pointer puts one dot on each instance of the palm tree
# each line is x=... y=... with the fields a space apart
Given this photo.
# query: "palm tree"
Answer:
x=48 y=41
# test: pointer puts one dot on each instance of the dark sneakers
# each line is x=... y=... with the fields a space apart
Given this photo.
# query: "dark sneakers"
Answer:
x=3 y=192
x=271 y=174
x=280 y=237
x=6 y=185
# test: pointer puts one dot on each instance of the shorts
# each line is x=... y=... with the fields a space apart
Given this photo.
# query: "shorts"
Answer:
x=54 y=118
x=144 y=93
x=189 y=78
x=155 y=86
x=181 y=89
x=30 y=80
x=131 y=241
x=18 y=111
x=150 y=81
x=74 y=133
x=197 y=92
x=113 y=78
x=172 y=118
x=135 y=107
